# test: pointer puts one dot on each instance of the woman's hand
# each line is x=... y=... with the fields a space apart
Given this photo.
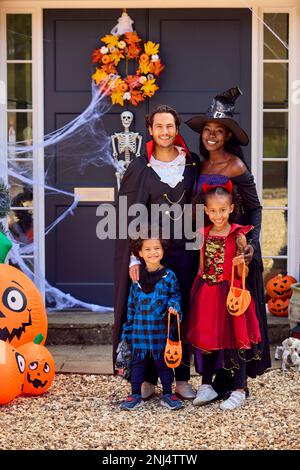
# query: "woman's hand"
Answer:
x=248 y=254
x=134 y=273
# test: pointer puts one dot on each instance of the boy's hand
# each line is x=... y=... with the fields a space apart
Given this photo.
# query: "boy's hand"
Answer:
x=172 y=310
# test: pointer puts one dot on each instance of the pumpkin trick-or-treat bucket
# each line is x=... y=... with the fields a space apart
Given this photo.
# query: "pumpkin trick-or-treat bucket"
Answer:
x=22 y=311
x=40 y=367
x=12 y=372
x=173 y=349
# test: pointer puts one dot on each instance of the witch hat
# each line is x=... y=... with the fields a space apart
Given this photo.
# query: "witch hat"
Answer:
x=221 y=110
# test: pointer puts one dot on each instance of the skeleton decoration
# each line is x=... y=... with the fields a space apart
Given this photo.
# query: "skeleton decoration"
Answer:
x=128 y=143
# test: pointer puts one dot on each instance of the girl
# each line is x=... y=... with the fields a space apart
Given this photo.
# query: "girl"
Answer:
x=145 y=329
x=221 y=339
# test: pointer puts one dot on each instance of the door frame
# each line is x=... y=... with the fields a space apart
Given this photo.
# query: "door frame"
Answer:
x=36 y=7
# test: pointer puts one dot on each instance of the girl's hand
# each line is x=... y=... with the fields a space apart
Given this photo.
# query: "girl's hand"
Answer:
x=238 y=260
x=248 y=254
x=134 y=273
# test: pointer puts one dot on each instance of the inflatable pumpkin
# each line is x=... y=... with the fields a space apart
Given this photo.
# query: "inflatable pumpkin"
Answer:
x=279 y=307
x=40 y=367
x=12 y=369
x=279 y=287
x=22 y=311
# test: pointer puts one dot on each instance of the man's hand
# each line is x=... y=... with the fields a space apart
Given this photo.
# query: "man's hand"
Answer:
x=134 y=272
x=248 y=254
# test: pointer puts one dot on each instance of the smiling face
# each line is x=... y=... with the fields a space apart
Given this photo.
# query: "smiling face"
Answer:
x=218 y=208
x=152 y=253
x=22 y=312
x=163 y=130
x=214 y=136
x=40 y=368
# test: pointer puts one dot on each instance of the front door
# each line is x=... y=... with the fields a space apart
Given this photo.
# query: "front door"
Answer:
x=205 y=51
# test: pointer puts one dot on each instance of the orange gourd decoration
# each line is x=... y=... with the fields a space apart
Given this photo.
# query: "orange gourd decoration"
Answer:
x=12 y=372
x=22 y=311
x=280 y=286
x=279 y=307
x=40 y=367
x=173 y=349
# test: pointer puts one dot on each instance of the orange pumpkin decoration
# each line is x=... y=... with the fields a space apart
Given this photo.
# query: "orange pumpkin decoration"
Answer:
x=279 y=307
x=22 y=311
x=280 y=286
x=12 y=369
x=173 y=349
x=40 y=367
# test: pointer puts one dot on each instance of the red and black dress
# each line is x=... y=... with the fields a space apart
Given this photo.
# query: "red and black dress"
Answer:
x=211 y=327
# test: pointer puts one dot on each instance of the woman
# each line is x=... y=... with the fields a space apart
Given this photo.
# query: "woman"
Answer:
x=221 y=137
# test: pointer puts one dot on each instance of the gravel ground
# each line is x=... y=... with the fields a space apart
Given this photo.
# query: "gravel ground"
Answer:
x=81 y=412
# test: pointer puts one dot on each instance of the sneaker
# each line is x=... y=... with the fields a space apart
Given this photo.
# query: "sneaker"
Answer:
x=132 y=402
x=171 y=402
x=148 y=390
x=235 y=400
x=205 y=394
x=183 y=390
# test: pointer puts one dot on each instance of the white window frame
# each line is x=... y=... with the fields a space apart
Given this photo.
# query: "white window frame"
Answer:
x=37 y=129
x=293 y=239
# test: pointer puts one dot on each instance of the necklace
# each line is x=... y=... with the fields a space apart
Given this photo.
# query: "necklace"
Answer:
x=174 y=202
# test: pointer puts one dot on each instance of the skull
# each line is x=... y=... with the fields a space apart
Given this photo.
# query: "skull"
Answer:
x=126 y=118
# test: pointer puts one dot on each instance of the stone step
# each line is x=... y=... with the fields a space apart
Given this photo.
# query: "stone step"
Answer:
x=92 y=328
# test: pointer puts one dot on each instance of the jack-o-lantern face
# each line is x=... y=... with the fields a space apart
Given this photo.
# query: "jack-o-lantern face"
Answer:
x=173 y=353
x=238 y=301
x=279 y=307
x=280 y=286
x=22 y=312
x=40 y=367
x=12 y=372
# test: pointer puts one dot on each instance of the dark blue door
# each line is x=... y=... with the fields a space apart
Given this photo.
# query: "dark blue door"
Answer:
x=204 y=50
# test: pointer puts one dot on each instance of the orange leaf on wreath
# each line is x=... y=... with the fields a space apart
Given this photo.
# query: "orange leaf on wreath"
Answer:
x=96 y=56
x=133 y=81
x=133 y=52
x=117 y=97
x=116 y=56
x=109 y=68
x=149 y=87
x=100 y=76
x=151 y=48
x=131 y=38
x=136 y=97
x=110 y=40
x=156 y=68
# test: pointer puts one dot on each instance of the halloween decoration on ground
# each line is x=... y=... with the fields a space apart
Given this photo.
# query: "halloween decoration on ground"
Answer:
x=22 y=311
x=289 y=352
x=279 y=288
x=128 y=143
x=12 y=372
x=124 y=357
x=124 y=43
x=40 y=367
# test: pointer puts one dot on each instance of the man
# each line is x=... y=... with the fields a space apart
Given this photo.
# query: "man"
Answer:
x=166 y=175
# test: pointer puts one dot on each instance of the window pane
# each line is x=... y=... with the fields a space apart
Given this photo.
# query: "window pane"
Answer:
x=19 y=86
x=19 y=37
x=275 y=135
x=275 y=86
x=20 y=221
x=272 y=267
x=274 y=232
x=19 y=129
x=275 y=191
x=15 y=184
x=279 y=23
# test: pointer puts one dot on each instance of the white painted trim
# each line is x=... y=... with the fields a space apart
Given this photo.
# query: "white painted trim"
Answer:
x=120 y=4
x=3 y=97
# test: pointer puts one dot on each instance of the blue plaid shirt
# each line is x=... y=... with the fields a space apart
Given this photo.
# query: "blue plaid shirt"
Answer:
x=146 y=327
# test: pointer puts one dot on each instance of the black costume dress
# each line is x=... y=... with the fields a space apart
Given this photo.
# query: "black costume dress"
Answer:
x=141 y=184
x=250 y=214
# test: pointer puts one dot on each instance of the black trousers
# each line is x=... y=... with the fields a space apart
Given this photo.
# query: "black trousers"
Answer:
x=138 y=368
x=209 y=367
